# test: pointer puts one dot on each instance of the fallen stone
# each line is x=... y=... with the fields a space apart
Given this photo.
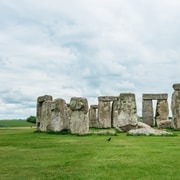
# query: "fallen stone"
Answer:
x=148 y=131
x=142 y=125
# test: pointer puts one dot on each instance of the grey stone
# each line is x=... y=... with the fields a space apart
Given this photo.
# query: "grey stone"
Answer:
x=79 y=104
x=147 y=108
x=79 y=123
x=60 y=115
x=147 y=112
x=107 y=98
x=41 y=99
x=107 y=111
x=148 y=131
x=104 y=114
x=44 y=121
x=43 y=112
x=164 y=124
x=93 y=118
x=142 y=125
x=115 y=113
x=162 y=111
x=161 y=96
x=175 y=107
x=176 y=87
x=127 y=118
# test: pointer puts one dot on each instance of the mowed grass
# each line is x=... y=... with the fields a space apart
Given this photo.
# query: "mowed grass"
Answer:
x=28 y=155
x=15 y=123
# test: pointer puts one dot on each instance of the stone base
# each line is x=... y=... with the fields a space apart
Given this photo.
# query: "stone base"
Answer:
x=164 y=124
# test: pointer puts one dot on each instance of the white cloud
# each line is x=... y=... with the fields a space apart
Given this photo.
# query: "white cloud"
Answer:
x=85 y=48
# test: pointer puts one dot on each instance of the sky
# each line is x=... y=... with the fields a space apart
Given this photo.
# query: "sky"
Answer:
x=86 y=48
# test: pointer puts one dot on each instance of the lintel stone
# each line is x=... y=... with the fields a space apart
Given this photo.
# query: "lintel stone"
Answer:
x=41 y=99
x=94 y=106
x=108 y=98
x=155 y=96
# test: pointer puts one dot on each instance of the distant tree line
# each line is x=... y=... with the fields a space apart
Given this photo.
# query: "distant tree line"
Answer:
x=31 y=119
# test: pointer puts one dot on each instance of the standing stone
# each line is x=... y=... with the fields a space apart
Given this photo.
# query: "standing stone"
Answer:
x=147 y=112
x=93 y=116
x=104 y=114
x=107 y=107
x=59 y=115
x=175 y=107
x=46 y=116
x=79 y=123
x=127 y=118
x=162 y=112
x=115 y=110
x=147 y=107
x=43 y=112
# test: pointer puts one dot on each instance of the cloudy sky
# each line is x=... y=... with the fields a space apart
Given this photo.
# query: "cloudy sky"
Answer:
x=86 y=48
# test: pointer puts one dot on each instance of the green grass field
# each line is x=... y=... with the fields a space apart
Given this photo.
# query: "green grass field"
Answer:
x=29 y=155
x=15 y=123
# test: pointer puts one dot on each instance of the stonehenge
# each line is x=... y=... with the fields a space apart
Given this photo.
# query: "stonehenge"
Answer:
x=118 y=112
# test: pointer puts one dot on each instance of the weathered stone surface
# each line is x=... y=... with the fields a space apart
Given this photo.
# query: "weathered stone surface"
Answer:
x=79 y=123
x=41 y=99
x=127 y=118
x=147 y=112
x=44 y=121
x=104 y=120
x=107 y=111
x=60 y=115
x=147 y=108
x=175 y=107
x=94 y=106
x=162 y=111
x=93 y=116
x=142 y=125
x=148 y=131
x=115 y=113
x=176 y=87
x=155 y=96
x=107 y=98
x=79 y=104
x=42 y=112
x=164 y=124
